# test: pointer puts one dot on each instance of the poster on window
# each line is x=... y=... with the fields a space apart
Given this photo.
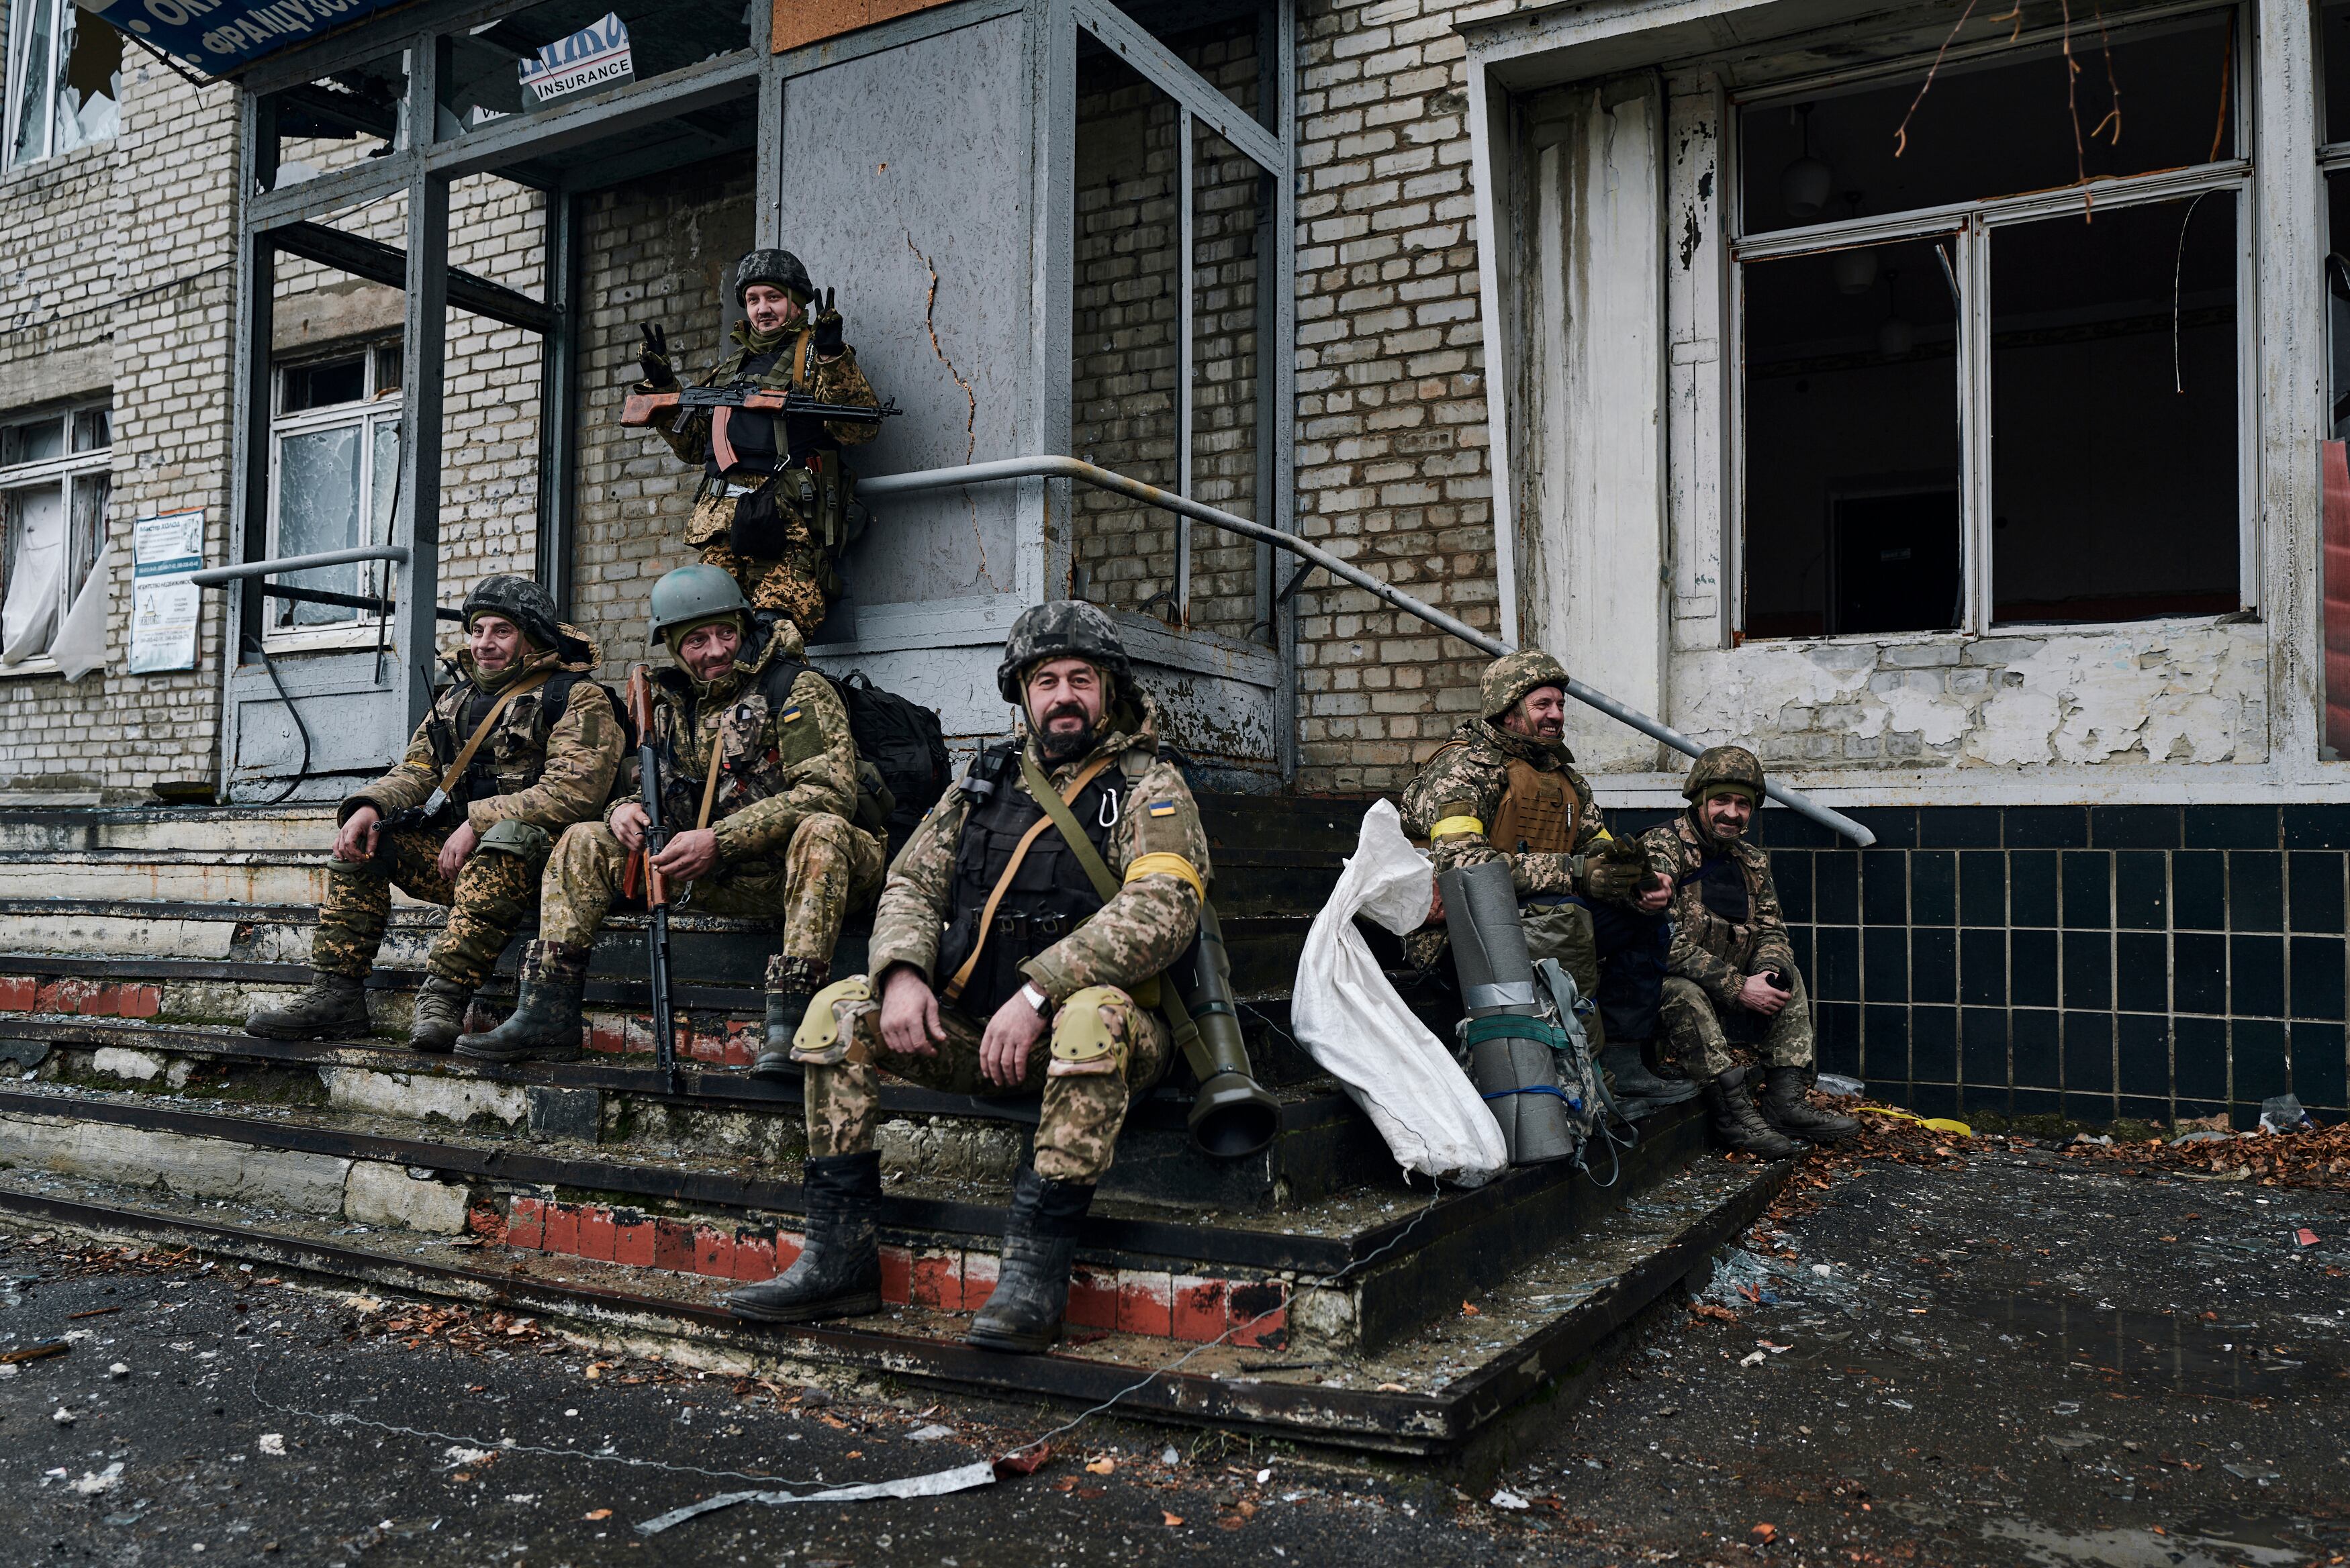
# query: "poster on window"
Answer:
x=163 y=603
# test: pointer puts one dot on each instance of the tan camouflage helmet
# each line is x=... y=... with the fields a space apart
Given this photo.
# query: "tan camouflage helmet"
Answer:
x=1513 y=675
x=1725 y=770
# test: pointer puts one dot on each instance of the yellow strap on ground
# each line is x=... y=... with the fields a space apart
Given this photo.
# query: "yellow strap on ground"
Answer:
x=1939 y=1124
x=1163 y=863
x=1449 y=826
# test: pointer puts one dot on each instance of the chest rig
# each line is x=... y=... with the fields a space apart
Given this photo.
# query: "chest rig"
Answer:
x=1539 y=814
x=1050 y=894
x=513 y=754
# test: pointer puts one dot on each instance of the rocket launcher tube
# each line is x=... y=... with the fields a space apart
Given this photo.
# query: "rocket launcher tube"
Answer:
x=1509 y=1038
x=1232 y=1116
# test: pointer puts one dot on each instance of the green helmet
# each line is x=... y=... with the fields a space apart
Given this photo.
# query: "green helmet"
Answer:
x=689 y=595
x=778 y=268
x=519 y=600
x=1513 y=675
x=1725 y=770
x=1060 y=628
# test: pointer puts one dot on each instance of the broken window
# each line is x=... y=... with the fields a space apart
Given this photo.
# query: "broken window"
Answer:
x=55 y=472
x=334 y=478
x=1969 y=400
x=65 y=72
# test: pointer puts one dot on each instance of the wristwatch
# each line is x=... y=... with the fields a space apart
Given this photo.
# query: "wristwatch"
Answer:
x=1035 y=998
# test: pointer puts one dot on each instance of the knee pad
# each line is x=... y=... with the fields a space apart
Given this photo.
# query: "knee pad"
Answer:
x=827 y=1035
x=524 y=840
x=1083 y=1042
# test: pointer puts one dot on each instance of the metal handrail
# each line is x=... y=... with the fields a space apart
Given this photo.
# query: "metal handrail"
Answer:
x=214 y=576
x=1150 y=495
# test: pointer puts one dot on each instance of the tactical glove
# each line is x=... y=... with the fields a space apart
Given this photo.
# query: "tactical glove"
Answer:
x=653 y=357
x=826 y=340
x=1615 y=869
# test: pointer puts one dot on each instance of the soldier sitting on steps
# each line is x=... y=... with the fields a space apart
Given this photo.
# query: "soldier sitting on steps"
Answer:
x=993 y=934
x=519 y=749
x=1732 y=972
x=761 y=784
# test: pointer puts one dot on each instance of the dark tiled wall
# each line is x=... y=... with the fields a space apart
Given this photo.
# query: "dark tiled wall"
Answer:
x=2103 y=961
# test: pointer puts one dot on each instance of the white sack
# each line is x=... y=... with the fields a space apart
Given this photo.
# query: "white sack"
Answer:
x=79 y=645
x=1352 y=1021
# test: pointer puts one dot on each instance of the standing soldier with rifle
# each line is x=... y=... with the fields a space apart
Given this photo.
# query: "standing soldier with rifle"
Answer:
x=1017 y=947
x=524 y=745
x=760 y=804
x=773 y=506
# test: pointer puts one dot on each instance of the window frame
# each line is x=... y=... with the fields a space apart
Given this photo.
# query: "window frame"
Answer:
x=61 y=473
x=376 y=406
x=15 y=72
x=1970 y=225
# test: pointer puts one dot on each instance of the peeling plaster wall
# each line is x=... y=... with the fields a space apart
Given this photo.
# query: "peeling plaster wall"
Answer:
x=2133 y=694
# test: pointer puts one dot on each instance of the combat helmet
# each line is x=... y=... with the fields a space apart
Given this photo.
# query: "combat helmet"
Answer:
x=1513 y=675
x=779 y=267
x=690 y=595
x=1060 y=628
x=519 y=600
x=1724 y=770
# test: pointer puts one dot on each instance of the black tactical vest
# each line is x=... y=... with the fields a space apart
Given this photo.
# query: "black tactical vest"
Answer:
x=1721 y=886
x=1049 y=896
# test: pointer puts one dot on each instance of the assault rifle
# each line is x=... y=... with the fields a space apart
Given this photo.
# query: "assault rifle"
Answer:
x=640 y=407
x=656 y=886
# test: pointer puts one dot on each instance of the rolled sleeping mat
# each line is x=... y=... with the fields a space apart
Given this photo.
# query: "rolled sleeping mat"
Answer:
x=1489 y=943
x=1510 y=1060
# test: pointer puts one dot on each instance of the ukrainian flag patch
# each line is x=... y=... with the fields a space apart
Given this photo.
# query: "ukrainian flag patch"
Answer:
x=1162 y=808
x=791 y=715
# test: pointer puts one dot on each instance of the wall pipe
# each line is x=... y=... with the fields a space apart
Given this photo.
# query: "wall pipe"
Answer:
x=1150 y=495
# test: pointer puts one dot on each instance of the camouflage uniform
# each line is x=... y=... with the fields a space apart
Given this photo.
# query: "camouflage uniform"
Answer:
x=1712 y=955
x=788 y=850
x=549 y=771
x=799 y=581
x=1460 y=791
x=1091 y=975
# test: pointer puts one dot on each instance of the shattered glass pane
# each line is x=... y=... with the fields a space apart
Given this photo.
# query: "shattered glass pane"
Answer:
x=318 y=509
x=37 y=544
x=32 y=32
x=32 y=441
x=89 y=84
x=562 y=51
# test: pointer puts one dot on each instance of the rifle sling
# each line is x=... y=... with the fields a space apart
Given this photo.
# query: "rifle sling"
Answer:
x=1150 y=992
x=482 y=731
x=1047 y=797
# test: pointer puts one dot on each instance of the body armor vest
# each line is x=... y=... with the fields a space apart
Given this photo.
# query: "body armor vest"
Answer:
x=1539 y=813
x=1050 y=895
x=1721 y=887
x=522 y=728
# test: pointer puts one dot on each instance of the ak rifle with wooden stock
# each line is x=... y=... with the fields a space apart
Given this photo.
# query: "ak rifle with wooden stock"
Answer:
x=640 y=868
x=641 y=407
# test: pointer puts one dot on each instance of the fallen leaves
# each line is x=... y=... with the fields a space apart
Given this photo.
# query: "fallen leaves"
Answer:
x=1172 y=1521
x=599 y=1514
x=1100 y=1466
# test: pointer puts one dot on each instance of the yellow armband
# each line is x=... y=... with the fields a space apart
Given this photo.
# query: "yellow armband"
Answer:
x=1451 y=825
x=1163 y=864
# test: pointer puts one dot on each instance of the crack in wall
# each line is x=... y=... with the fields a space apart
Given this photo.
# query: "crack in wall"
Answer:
x=971 y=396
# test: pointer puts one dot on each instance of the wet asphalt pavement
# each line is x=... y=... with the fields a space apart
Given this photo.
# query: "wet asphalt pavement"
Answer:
x=2015 y=1362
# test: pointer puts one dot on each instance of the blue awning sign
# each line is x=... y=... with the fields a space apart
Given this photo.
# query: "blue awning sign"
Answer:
x=221 y=35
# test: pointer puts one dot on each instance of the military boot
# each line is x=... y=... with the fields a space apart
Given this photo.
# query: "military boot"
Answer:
x=334 y=1008
x=838 y=1272
x=439 y=1015
x=546 y=1024
x=1737 y=1123
x=1040 y=1243
x=791 y=981
x=1637 y=1090
x=1784 y=1104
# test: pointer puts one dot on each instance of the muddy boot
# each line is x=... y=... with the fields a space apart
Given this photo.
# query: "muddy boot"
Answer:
x=546 y=1024
x=1784 y=1105
x=1736 y=1121
x=1040 y=1243
x=1637 y=1090
x=439 y=1015
x=334 y=1008
x=838 y=1273
x=791 y=981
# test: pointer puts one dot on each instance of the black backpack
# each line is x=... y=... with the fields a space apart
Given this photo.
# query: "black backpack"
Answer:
x=897 y=739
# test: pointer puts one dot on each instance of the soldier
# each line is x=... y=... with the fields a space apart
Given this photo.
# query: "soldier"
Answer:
x=772 y=508
x=524 y=745
x=993 y=934
x=768 y=827
x=1504 y=787
x=1731 y=971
